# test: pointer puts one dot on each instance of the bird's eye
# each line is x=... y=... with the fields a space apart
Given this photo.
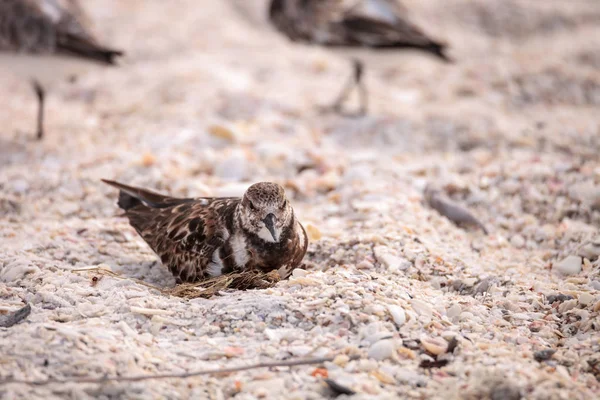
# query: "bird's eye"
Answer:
x=252 y=206
x=283 y=205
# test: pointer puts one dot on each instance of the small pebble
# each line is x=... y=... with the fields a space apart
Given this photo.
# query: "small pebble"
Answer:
x=483 y=286
x=299 y=273
x=435 y=346
x=505 y=391
x=300 y=351
x=454 y=311
x=518 y=241
x=466 y=316
x=558 y=297
x=382 y=349
x=313 y=232
x=543 y=355
x=570 y=265
x=365 y=264
x=567 y=305
x=20 y=186
x=390 y=261
x=586 y=299
x=398 y=314
x=591 y=251
x=421 y=308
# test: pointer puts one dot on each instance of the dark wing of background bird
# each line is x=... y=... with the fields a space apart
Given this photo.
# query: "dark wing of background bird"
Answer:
x=357 y=23
x=306 y=20
x=49 y=26
x=183 y=232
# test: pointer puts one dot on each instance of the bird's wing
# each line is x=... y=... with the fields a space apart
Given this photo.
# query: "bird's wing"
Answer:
x=306 y=20
x=184 y=233
x=49 y=26
x=25 y=28
x=368 y=23
x=382 y=23
x=186 y=236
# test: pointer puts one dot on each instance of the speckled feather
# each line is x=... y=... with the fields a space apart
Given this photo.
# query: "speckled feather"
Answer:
x=49 y=27
x=198 y=238
x=353 y=23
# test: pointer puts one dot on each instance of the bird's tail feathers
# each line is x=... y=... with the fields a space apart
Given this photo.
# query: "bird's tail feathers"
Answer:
x=439 y=49
x=127 y=201
x=130 y=196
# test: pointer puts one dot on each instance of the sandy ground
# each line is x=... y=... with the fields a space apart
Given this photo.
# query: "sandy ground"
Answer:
x=209 y=100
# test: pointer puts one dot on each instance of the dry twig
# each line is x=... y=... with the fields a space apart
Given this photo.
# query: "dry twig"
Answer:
x=137 y=378
x=207 y=288
x=239 y=281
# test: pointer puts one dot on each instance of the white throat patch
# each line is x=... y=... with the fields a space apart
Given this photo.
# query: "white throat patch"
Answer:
x=265 y=235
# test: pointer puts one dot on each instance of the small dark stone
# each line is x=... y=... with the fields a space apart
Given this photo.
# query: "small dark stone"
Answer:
x=6 y=321
x=433 y=364
x=505 y=392
x=558 y=297
x=452 y=345
x=413 y=344
x=483 y=286
x=458 y=285
x=9 y=207
x=338 y=389
x=543 y=355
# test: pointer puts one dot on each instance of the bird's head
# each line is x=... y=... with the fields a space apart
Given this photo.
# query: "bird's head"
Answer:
x=265 y=211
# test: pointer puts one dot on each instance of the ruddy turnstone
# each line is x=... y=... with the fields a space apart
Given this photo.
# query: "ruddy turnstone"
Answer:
x=46 y=41
x=199 y=238
x=375 y=24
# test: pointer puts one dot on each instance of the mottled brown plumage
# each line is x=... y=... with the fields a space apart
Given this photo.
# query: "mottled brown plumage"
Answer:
x=375 y=24
x=199 y=238
x=45 y=41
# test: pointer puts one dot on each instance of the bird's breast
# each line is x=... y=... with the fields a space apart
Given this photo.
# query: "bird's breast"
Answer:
x=239 y=250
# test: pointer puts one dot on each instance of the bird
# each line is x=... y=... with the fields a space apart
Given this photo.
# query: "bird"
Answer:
x=45 y=41
x=380 y=25
x=205 y=237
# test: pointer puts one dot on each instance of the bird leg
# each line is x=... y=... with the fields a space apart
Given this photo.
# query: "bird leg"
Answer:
x=362 y=90
x=39 y=91
x=355 y=81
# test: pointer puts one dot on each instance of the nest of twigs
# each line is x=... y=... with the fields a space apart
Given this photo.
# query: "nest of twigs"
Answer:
x=237 y=281
x=207 y=288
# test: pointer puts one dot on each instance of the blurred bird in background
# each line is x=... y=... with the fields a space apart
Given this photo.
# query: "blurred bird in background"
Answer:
x=46 y=41
x=379 y=25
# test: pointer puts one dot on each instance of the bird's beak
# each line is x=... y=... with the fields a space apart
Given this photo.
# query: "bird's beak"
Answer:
x=270 y=221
